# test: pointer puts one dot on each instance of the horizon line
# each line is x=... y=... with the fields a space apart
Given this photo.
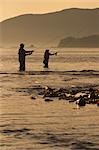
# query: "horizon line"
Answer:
x=44 y=13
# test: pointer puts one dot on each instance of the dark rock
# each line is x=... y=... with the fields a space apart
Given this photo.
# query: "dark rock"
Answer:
x=33 y=97
x=50 y=93
x=62 y=96
x=81 y=101
x=48 y=100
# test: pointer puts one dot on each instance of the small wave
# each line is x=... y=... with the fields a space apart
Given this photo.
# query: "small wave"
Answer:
x=71 y=72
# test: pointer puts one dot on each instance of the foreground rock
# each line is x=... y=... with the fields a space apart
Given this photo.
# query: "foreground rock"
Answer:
x=48 y=100
x=79 y=95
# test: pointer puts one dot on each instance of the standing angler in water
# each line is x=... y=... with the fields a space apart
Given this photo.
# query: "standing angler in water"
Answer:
x=22 y=53
x=46 y=58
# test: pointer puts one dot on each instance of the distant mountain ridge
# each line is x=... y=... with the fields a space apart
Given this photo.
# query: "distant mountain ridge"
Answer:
x=49 y=29
x=90 y=41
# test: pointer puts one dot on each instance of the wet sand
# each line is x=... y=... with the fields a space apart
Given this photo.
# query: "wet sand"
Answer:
x=28 y=122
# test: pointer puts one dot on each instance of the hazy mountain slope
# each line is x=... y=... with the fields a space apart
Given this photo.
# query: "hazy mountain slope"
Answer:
x=49 y=29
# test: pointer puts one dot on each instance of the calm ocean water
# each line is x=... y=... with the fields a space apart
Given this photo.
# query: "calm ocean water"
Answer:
x=27 y=124
x=67 y=59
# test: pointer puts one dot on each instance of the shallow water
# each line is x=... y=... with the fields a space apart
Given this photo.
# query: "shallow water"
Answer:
x=67 y=59
x=27 y=124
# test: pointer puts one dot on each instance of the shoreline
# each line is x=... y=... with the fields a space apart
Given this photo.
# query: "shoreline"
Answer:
x=46 y=72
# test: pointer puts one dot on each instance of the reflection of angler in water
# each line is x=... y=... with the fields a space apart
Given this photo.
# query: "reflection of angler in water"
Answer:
x=22 y=53
x=46 y=57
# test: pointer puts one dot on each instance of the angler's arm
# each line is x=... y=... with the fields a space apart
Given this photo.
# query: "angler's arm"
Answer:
x=28 y=52
x=53 y=53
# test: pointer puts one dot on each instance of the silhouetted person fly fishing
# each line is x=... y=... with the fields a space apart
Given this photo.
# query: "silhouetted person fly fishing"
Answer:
x=46 y=57
x=22 y=53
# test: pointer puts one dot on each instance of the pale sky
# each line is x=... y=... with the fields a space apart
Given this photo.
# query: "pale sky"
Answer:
x=11 y=8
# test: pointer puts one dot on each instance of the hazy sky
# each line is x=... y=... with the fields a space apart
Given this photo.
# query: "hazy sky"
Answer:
x=10 y=8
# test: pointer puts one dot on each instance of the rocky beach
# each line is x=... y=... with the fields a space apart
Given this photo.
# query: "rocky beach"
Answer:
x=50 y=109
